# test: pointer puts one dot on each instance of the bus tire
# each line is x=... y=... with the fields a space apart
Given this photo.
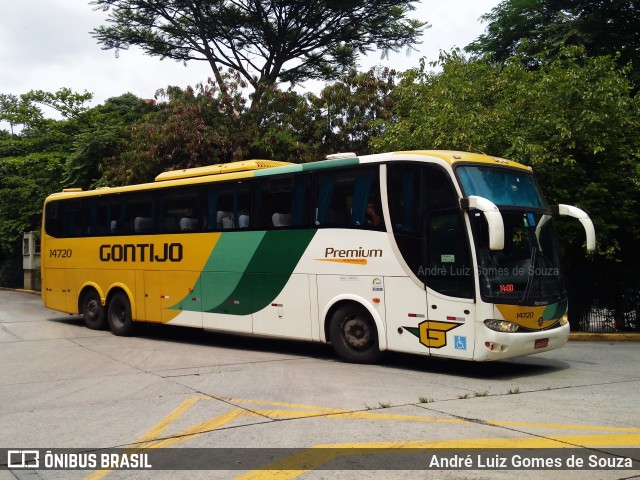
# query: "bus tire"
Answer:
x=94 y=313
x=353 y=334
x=119 y=315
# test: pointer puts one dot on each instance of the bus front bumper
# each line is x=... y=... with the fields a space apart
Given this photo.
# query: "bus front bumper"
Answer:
x=499 y=345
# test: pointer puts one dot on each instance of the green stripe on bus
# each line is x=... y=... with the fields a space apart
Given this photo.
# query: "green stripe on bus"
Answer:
x=224 y=267
x=555 y=310
x=267 y=273
x=307 y=167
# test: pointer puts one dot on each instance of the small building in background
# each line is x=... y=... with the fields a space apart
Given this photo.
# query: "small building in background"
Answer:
x=31 y=260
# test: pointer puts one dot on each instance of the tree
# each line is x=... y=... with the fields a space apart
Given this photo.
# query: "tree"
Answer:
x=18 y=111
x=266 y=41
x=105 y=134
x=46 y=155
x=575 y=121
x=189 y=127
x=353 y=110
x=541 y=28
x=68 y=103
x=24 y=183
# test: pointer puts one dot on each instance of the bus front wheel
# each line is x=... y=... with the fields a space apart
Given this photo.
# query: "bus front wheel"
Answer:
x=353 y=334
x=93 y=311
x=119 y=315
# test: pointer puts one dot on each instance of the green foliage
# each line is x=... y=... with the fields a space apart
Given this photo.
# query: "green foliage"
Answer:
x=18 y=111
x=48 y=154
x=286 y=127
x=65 y=101
x=264 y=41
x=106 y=136
x=24 y=183
x=350 y=111
x=573 y=120
x=208 y=125
x=191 y=127
x=540 y=29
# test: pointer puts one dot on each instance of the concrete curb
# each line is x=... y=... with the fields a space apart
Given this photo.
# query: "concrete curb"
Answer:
x=20 y=290
x=604 y=337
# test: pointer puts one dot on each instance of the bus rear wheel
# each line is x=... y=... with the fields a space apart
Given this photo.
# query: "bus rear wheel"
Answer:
x=353 y=334
x=93 y=311
x=119 y=315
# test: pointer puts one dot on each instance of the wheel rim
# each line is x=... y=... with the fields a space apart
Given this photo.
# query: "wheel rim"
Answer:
x=356 y=332
x=92 y=310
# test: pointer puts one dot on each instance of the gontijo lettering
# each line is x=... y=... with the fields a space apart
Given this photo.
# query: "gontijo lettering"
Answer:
x=141 y=252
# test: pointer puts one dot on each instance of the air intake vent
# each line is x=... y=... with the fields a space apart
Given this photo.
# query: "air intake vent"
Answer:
x=244 y=166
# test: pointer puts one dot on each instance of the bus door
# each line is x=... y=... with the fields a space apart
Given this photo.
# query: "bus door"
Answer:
x=431 y=236
x=449 y=279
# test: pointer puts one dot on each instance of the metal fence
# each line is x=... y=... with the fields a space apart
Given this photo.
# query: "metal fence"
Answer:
x=603 y=320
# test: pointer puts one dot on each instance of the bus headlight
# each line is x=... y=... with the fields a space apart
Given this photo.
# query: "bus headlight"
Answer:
x=564 y=319
x=502 y=326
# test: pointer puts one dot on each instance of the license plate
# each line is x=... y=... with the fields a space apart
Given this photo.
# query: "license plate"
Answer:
x=541 y=343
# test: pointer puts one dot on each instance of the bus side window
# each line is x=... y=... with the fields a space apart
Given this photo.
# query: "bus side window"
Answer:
x=224 y=214
x=211 y=217
x=179 y=210
x=282 y=201
x=100 y=221
x=53 y=218
x=228 y=206
x=348 y=198
x=429 y=228
x=75 y=223
x=139 y=214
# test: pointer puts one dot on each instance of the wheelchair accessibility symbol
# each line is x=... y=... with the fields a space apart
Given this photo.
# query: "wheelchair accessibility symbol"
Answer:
x=460 y=343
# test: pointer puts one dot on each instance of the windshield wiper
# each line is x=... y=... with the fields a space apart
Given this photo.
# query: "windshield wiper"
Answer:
x=532 y=265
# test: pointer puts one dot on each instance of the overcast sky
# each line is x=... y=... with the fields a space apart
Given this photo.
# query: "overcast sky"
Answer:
x=46 y=44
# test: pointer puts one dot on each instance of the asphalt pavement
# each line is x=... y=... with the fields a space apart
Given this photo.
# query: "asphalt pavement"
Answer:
x=294 y=410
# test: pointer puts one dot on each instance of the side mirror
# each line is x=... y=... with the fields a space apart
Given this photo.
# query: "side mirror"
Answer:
x=575 y=212
x=493 y=216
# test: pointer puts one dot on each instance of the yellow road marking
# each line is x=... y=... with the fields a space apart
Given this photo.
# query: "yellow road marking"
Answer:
x=147 y=439
x=194 y=431
x=283 y=404
x=171 y=417
x=295 y=465
x=564 y=426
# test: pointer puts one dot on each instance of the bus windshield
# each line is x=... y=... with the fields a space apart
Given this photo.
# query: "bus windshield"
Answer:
x=527 y=270
x=507 y=187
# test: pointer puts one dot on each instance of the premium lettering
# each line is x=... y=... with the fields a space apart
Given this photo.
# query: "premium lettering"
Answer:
x=356 y=253
x=141 y=252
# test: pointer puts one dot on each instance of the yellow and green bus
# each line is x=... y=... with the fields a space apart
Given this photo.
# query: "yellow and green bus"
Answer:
x=438 y=253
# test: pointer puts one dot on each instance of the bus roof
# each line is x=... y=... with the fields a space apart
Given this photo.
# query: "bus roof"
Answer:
x=453 y=157
x=258 y=168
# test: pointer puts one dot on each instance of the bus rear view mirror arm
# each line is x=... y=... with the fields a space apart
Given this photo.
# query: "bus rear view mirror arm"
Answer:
x=575 y=212
x=493 y=216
